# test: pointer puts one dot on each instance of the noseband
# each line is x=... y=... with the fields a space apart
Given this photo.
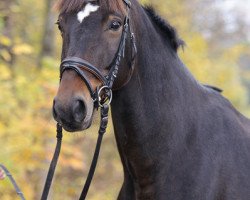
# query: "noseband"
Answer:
x=81 y=66
x=102 y=97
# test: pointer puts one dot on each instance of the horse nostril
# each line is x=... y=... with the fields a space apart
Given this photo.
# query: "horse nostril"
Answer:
x=79 y=110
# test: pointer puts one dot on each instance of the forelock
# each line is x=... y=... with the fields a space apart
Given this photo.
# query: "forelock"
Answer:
x=70 y=6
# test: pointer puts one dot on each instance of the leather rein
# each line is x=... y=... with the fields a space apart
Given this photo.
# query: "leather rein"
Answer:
x=101 y=97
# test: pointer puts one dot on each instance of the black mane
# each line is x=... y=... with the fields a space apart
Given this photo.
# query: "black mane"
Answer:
x=165 y=27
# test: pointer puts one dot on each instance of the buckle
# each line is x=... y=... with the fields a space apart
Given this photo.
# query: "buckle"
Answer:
x=104 y=96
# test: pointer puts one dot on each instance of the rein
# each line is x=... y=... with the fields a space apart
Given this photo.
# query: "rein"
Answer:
x=13 y=182
x=102 y=98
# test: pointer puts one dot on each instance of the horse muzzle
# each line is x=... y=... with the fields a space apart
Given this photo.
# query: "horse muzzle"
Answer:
x=76 y=115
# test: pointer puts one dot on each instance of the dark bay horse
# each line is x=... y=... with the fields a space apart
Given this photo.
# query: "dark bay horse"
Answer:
x=177 y=139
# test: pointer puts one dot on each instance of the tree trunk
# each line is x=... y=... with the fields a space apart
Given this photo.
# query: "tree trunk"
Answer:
x=48 y=38
x=5 y=8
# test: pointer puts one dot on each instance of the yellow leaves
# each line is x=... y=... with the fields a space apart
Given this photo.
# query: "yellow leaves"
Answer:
x=15 y=8
x=72 y=157
x=144 y=1
x=5 y=41
x=5 y=54
x=11 y=48
x=71 y=191
x=16 y=48
x=234 y=53
x=5 y=72
x=27 y=188
x=21 y=80
x=22 y=49
x=76 y=164
x=2 y=127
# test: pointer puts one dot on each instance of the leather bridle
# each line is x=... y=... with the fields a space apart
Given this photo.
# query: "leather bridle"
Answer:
x=102 y=97
x=81 y=66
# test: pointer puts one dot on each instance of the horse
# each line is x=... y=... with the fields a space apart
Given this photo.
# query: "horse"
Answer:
x=177 y=139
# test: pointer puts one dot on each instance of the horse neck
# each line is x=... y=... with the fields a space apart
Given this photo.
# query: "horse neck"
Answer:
x=146 y=110
x=160 y=80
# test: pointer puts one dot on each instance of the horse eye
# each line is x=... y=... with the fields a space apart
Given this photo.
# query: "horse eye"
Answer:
x=115 y=25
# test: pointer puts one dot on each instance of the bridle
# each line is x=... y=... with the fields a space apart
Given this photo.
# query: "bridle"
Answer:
x=81 y=66
x=102 y=97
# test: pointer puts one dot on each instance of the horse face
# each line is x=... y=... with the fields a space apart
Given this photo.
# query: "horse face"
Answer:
x=92 y=34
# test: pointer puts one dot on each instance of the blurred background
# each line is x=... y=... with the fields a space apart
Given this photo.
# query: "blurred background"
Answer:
x=217 y=34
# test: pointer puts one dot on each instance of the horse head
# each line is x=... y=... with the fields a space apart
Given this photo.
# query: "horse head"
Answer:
x=95 y=46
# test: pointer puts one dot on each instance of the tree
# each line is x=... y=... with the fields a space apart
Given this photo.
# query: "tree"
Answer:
x=6 y=52
x=48 y=38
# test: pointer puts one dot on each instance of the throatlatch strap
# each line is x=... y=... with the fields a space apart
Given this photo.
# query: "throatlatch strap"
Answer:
x=53 y=163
